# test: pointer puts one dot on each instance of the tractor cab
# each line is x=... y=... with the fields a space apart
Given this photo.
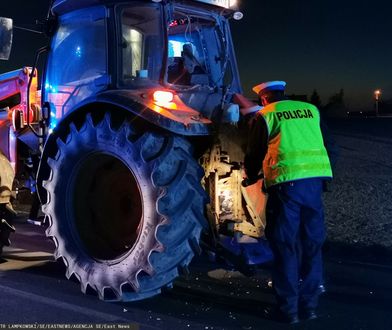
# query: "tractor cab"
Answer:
x=184 y=47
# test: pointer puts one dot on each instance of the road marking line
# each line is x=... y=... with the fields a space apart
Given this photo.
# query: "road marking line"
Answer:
x=12 y=249
x=29 y=255
x=20 y=265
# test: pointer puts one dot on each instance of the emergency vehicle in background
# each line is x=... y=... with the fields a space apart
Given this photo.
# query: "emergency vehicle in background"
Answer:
x=133 y=144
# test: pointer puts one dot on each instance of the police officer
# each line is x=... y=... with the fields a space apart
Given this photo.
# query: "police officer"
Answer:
x=286 y=142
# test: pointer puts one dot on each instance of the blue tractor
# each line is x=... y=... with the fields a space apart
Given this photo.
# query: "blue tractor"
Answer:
x=139 y=143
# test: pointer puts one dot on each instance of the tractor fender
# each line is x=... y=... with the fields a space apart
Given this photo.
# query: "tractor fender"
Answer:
x=120 y=102
x=184 y=121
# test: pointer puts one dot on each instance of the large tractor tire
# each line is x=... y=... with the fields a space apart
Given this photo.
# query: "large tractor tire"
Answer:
x=125 y=210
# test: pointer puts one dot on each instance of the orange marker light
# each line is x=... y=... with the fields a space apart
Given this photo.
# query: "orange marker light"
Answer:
x=163 y=97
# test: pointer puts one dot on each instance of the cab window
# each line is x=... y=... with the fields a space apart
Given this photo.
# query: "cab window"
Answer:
x=141 y=42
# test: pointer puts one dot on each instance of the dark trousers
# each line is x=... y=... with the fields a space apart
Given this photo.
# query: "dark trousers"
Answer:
x=296 y=232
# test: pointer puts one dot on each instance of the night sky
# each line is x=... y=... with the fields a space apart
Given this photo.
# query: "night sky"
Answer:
x=322 y=45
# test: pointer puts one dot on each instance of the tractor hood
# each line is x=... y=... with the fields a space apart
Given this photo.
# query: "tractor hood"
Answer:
x=64 y=6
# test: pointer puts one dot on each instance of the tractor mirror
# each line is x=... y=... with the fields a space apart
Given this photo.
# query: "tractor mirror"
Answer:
x=5 y=38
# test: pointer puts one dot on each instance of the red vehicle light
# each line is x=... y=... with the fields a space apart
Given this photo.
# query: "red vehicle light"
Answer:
x=163 y=97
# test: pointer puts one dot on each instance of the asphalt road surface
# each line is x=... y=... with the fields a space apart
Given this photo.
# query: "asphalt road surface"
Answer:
x=33 y=289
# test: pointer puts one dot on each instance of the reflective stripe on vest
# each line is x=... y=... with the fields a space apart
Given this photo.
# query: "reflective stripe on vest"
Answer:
x=295 y=147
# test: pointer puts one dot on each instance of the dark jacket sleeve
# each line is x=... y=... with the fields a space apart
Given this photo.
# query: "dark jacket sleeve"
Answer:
x=257 y=146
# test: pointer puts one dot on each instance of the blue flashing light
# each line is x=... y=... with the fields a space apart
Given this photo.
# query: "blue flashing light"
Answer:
x=78 y=51
x=50 y=88
x=53 y=123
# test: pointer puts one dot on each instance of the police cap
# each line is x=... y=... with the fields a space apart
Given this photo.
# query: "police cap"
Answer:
x=269 y=86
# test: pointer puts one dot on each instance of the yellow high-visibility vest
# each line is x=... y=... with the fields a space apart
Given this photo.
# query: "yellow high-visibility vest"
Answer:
x=295 y=145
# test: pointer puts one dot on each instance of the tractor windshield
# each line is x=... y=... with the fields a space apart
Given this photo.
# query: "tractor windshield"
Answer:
x=141 y=42
x=197 y=49
x=197 y=46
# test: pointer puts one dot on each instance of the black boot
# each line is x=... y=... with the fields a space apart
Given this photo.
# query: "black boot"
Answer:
x=5 y=230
